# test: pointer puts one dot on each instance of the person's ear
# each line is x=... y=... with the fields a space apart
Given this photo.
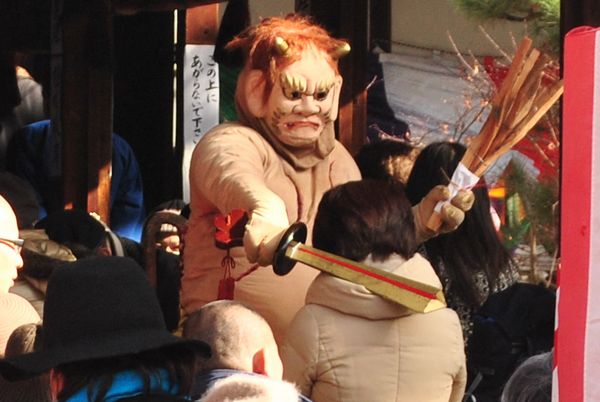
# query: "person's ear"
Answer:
x=56 y=384
x=253 y=93
x=258 y=362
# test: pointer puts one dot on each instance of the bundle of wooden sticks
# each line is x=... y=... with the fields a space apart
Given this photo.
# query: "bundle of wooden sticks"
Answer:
x=518 y=105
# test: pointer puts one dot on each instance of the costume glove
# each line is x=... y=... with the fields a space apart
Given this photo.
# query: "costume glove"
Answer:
x=262 y=237
x=452 y=214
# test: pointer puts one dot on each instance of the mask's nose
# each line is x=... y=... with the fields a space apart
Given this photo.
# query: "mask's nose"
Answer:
x=307 y=106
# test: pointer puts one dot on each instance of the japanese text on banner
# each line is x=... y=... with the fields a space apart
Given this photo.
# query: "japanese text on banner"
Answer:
x=201 y=101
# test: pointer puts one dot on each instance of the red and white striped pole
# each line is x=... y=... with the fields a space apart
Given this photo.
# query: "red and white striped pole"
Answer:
x=577 y=341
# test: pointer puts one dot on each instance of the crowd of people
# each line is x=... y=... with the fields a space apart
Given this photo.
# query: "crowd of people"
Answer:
x=82 y=322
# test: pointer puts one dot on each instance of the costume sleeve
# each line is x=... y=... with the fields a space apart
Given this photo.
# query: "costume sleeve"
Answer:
x=300 y=351
x=343 y=168
x=228 y=169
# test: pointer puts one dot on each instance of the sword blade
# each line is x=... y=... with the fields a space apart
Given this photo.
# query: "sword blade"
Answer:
x=417 y=296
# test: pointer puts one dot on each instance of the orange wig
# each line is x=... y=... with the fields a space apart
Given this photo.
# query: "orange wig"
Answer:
x=261 y=51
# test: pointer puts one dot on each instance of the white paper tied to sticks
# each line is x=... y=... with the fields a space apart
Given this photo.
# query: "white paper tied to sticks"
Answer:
x=462 y=179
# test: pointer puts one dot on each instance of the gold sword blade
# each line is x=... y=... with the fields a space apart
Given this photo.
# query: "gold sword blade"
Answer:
x=417 y=296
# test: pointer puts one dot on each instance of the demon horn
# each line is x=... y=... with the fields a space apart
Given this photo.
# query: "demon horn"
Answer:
x=340 y=51
x=282 y=46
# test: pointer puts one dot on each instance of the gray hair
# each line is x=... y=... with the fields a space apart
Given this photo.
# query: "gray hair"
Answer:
x=531 y=381
x=234 y=332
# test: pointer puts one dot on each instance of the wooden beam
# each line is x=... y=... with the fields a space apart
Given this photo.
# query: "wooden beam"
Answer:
x=135 y=6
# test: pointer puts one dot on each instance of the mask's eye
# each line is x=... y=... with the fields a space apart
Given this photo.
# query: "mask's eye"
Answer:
x=321 y=95
x=292 y=94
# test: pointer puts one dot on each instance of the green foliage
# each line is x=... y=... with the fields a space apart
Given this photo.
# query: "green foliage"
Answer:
x=543 y=16
x=539 y=200
x=516 y=234
x=484 y=9
x=546 y=26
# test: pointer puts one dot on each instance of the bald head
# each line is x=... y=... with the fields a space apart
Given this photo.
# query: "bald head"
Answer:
x=10 y=259
x=8 y=220
x=239 y=337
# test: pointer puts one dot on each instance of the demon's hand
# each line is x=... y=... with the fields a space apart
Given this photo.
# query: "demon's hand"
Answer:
x=452 y=214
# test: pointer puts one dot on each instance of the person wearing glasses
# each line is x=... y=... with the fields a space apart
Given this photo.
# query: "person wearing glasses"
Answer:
x=11 y=246
x=14 y=310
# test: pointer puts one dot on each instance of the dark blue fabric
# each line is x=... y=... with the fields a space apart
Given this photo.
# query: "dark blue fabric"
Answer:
x=205 y=380
x=32 y=156
x=128 y=384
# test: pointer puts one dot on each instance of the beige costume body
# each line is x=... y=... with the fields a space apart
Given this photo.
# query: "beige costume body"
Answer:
x=349 y=345
x=234 y=167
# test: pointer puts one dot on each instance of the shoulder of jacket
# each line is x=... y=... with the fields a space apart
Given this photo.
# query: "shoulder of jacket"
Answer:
x=233 y=128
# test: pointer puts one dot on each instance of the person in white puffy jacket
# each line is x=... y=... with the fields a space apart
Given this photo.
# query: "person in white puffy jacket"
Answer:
x=348 y=344
x=275 y=164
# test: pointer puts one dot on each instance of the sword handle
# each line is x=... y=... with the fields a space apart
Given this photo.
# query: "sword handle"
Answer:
x=282 y=264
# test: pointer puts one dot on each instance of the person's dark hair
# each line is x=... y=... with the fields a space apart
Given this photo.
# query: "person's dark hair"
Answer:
x=475 y=245
x=374 y=158
x=365 y=217
x=531 y=382
x=98 y=375
x=22 y=197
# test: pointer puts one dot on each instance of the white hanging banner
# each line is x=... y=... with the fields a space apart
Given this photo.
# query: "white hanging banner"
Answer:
x=200 y=102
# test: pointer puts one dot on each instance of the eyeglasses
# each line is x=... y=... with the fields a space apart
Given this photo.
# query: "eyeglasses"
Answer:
x=15 y=244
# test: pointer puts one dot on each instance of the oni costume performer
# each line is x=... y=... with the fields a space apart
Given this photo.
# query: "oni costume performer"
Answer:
x=275 y=164
x=348 y=344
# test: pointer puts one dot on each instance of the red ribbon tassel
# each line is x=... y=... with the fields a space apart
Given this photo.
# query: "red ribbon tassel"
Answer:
x=226 y=288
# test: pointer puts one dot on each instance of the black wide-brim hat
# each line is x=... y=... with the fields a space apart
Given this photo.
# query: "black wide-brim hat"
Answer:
x=97 y=308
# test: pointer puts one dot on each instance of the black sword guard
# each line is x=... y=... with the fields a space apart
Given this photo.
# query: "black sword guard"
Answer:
x=282 y=265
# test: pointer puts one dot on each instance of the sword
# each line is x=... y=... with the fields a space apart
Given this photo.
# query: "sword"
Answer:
x=417 y=296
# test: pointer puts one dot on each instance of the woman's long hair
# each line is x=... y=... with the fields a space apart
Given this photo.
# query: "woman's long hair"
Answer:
x=475 y=245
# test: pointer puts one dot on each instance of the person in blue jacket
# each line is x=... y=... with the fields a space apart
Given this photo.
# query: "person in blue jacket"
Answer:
x=31 y=156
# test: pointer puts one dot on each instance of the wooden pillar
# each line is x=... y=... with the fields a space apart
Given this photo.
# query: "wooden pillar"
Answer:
x=202 y=24
x=380 y=23
x=100 y=104
x=348 y=19
x=84 y=118
x=352 y=124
